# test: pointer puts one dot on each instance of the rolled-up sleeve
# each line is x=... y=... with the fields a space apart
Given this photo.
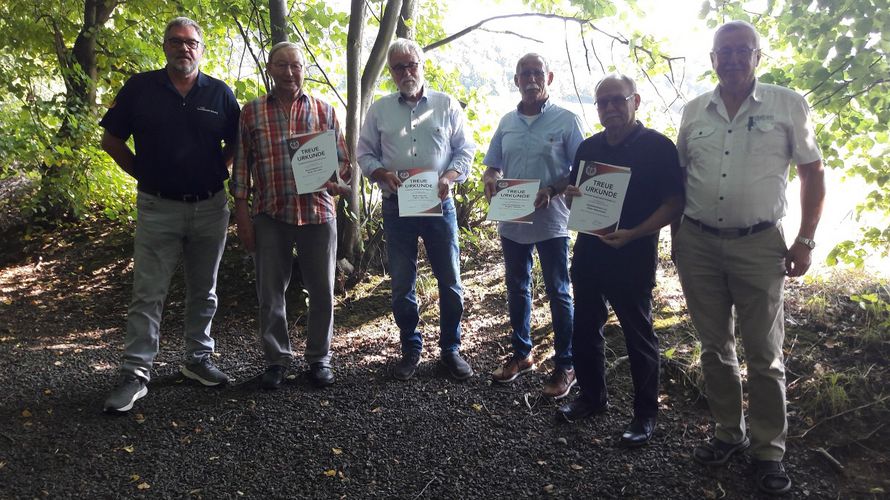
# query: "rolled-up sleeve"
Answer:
x=369 y=149
x=462 y=146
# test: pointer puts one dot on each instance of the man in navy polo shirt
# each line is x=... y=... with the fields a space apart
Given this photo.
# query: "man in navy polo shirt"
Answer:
x=179 y=118
x=619 y=268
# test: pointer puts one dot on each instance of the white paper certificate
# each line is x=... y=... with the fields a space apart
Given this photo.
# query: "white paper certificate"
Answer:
x=598 y=209
x=419 y=193
x=313 y=160
x=514 y=200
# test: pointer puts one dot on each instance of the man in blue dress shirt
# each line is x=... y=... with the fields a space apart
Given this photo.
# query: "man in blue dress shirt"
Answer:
x=537 y=140
x=419 y=128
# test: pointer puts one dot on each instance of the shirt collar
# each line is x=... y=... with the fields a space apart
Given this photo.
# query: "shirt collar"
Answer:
x=544 y=106
x=423 y=93
x=756 y=93
x=302 y=97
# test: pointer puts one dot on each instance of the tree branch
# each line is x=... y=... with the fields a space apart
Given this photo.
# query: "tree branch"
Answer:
x=327 y=80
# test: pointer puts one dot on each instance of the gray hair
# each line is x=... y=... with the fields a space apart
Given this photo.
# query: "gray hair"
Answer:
x=532 y=55
x=284 y=46
x=735 y=26
x=404 y=46
x=617 y=76
x=183 y=22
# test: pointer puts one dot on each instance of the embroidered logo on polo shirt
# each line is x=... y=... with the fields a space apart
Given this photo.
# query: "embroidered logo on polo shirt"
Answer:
x=202 y=108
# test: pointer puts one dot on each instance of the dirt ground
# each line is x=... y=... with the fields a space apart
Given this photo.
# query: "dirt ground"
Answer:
x=63 y=300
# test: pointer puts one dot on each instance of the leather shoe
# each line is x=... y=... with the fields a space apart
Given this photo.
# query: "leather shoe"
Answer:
x=457 y=367
x=579 y=409
x=406 y=366
x=273 y=377
x=320 y=375
x=638 y=433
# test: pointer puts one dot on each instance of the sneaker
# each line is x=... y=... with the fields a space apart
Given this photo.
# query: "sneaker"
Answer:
x=561 y=382
x=128 y=390
x=457 y=367
x=205 y=372
x=512 y=369
x=406 y=366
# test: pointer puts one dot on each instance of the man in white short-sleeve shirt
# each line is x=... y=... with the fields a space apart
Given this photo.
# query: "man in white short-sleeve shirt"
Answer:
x=736 y=144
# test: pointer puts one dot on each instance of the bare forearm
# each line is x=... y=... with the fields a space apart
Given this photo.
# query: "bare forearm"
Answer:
x=118 y=150
x=667 y=213
x=812 y=197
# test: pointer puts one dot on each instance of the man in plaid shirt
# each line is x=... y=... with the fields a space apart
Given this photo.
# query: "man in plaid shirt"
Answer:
x=272 y=217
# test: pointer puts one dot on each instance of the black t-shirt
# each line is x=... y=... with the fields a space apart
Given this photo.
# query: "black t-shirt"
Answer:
x=178 y=139
x=655 y=176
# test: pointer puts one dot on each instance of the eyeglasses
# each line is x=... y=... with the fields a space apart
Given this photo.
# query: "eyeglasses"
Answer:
x=615 y=101
x=531 y=73
x=726 y=53
x=401 y=68
x=283 y=66
x=179 y=42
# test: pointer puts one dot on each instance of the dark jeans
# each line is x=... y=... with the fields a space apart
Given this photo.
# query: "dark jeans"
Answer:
x=440 y=240
x=634 y=311
x=554 y=256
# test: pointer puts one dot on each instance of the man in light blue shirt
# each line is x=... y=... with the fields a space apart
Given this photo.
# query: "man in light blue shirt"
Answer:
x=537 y=140
x=419 y=128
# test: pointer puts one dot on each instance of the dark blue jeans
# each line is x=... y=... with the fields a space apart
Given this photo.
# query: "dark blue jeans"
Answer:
x=634 y=311
x=554 y=256
x=440 y=240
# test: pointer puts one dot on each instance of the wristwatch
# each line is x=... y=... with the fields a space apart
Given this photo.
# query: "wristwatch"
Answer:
x=807 y=242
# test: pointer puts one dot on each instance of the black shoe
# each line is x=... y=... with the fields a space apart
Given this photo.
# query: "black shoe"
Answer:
x=320 y=375
x=638 y=433
x=406 y=366
x=580 y=409
x=457 y=367
x=273 y=377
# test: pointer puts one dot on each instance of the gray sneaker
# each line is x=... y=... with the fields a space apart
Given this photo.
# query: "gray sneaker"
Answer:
x=128 y=390
x=205 y=372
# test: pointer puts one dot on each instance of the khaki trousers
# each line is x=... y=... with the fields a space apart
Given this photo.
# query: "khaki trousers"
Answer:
x=747 y=273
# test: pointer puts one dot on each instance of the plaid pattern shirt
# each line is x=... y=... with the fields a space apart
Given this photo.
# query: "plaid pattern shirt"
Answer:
x=262 y=169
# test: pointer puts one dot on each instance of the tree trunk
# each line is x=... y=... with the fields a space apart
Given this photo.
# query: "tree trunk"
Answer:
x=404 y=30
x=278 y=21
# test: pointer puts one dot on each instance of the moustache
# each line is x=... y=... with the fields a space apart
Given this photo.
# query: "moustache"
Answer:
x=532 y=87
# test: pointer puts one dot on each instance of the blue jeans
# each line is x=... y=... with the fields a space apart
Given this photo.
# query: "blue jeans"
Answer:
x=440 y=240
x=554 y=256
x=165 y=232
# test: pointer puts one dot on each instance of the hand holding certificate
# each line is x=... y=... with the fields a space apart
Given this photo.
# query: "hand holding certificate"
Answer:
x=513 y=200
x=598 y=210
x=313 y=160
x=419 y=193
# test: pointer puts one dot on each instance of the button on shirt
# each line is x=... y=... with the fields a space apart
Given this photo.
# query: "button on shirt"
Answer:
x=737 y=171
x=397 y=136
x=262 y=168
x=542 y=149
x=178 y=140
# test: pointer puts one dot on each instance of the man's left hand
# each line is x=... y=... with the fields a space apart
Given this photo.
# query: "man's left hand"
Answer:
x=542 y=198
x=797 y=260
x=336 y=189
x=619 y=238
x=444 y=187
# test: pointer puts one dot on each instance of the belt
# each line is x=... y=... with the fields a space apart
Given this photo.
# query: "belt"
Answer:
x=730 y=232
x=187 y=198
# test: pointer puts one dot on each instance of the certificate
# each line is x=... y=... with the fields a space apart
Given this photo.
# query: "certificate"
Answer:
x=514 y=200
x=313 y=160
x=598 y=209
x=419 y=193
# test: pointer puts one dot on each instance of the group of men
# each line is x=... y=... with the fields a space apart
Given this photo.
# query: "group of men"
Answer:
x=722 y=188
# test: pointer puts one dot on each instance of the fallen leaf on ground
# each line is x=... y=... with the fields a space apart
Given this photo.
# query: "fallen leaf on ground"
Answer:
x=477 y=406
x=134 y=478
x=129 y=448
x=336 y=451
x=576 y=467
x=140 y=418
x=143 y=486
x=330 y=473
x=26 y=413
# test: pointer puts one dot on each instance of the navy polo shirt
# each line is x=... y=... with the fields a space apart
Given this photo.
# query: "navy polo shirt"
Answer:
x=655 y=176
x=178 y=139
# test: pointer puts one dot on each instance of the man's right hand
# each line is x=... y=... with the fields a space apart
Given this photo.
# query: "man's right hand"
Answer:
x=245 y=228
x=571 y=192
x=386 y=178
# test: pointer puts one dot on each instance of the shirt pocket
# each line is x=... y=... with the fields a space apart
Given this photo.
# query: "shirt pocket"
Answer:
x=767 y=138
x=437 y=138
x=701 y=143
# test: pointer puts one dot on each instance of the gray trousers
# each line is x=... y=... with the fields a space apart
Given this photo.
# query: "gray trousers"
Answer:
x=316 y=246
x=165 y=232
x=746 y=274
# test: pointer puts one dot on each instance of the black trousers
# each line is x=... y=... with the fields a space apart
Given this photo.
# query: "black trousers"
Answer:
x=634 y=311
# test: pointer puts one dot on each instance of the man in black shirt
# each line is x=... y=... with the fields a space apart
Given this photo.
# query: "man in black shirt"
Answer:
x=619 y=267
x=179 y=118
